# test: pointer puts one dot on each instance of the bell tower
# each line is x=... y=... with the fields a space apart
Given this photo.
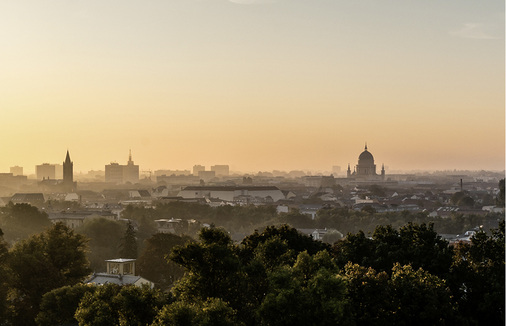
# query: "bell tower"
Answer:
x=68 y=174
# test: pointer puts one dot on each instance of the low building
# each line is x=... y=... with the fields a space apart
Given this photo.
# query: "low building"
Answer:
x=233 y=193
x=121 y=272
x=34 y=199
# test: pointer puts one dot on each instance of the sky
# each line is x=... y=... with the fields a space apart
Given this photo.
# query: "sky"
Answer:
x=259 y=85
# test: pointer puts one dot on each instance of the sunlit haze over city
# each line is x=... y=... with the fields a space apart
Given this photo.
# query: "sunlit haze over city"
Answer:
x=257 y=85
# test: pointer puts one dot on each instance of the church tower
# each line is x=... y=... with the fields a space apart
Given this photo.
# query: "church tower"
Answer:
x=68 y=174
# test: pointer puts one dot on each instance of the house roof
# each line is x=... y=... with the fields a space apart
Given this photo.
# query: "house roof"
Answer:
x=231 y=188
x=104 y=278
x=120 y=260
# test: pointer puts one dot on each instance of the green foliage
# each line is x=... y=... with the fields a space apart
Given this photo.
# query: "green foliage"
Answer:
x=295 y=241
x=297 y=220
x=213 y=268
x=58 y=306
x=407 y=297
x=417 y=245
x=128 y=245
x=306 y=294
x=41 y=263
x=105 y=237
x=212 y=312
x=501 y=195
x=477 y=277
x=420 y=298
x=19 y=221
x=153 y=263
x=369 y=296
x=111 y=304
x=4 y=277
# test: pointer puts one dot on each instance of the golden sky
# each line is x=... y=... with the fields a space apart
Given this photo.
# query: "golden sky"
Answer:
x=259 y=85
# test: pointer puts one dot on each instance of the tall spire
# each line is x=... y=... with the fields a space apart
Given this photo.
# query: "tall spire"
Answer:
x=67 y=158
x=365 y=145
x=129 y=154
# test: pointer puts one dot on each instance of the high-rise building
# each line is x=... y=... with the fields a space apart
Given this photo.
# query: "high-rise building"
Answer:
x=16 y=170
x=221 y=170
x=68 y=174
x=45 y=171
x=131 y=171
x=116 y=173
x=197 y=169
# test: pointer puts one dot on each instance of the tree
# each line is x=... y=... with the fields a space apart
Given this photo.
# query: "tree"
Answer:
x=295 y=241
x=477 y=277
x=417 y=245
x=58 y=306
x=4 y=277
x=501 y=194
x=369 y=295
x=153 y=263
x=420 y=298
x=19 y=221
x=128 y=246
x=308 y=293
x=212 y=312
x=407 y=297
x=41 y=263
x=112 y=304
x=214 y=269
x=105 y=237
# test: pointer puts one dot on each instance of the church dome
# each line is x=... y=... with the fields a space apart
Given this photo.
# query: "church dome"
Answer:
x=365 y=157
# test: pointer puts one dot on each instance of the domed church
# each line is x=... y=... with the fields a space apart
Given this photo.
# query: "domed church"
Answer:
x=365 y=169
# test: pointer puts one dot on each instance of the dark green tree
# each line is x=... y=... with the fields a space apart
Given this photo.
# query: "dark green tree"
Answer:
x=477 y=277
x=501 y=194
x=105 y=236
x=295 y=241
x=417 y=245
x=128 y=246
x=42 y=263
x=19 y=221
x=111 y=304
x=153 y=263
x=58 y=306
x=420 y=298
x=309 y=293
x=212 y=312
x=369 y=296
x=4 y=277
x=214 y=269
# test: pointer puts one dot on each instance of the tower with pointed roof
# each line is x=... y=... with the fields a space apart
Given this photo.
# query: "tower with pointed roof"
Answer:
x=130 y=171
x=68 y=174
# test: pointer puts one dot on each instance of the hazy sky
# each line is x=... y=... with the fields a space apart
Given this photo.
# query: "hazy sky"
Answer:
x=256 y=84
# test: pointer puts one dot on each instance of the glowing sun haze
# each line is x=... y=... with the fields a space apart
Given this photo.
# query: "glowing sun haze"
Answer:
x=256 y=84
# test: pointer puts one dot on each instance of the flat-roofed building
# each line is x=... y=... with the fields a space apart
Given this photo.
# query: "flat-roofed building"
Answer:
x=16 y=170
x=45 y=171
x=197 y=169
x=221 y=170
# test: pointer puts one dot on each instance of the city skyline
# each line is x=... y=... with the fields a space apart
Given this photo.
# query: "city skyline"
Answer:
x=259 y=85
x=210 y=167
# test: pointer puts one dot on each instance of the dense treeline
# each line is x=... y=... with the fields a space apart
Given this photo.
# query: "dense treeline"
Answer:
x=247 y=219
x=275 y=277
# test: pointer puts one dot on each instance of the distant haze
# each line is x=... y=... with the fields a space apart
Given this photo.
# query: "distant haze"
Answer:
x=257 y=85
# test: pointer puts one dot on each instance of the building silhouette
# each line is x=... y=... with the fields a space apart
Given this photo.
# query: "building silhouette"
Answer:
x=116 y=173
x=68 y=174
x=45 y=171
x=365 y=169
